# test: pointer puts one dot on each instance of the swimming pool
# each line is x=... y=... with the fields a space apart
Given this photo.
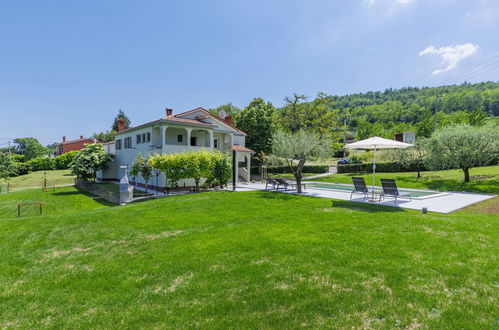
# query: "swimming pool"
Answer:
x=418 y=194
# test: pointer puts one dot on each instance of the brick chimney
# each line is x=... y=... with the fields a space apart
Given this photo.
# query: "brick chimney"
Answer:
x=63 y=139
x=121 y=124
x=169 y=112
x=81 y=137
x=228 y=119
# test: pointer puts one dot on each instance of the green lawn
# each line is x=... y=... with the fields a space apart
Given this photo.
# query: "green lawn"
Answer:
x=36 y=179
x=61 y=200
x=249 y=260
x=484 y=179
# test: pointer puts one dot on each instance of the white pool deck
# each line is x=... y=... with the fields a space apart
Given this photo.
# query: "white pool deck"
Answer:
x=441 y=202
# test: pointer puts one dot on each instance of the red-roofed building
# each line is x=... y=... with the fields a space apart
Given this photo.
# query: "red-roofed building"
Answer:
x=192 y=130
x=73 y=145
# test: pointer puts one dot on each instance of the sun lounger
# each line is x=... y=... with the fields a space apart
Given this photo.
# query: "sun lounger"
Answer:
x=390 y=189
x=286 y=184
x=359 y=187
x=272 y=182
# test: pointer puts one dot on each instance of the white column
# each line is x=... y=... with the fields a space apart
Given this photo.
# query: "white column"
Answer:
x=237 y=169
x=248 y=164
x=210 y=136
x=189 y=131
x=162 y=137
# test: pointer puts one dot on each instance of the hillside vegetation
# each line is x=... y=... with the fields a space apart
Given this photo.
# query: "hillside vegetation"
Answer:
x=411 y=109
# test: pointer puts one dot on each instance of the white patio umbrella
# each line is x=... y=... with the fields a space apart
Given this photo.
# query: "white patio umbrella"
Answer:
x=375 y=143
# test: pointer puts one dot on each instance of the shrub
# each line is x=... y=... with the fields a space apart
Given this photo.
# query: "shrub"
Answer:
x=22 y=168
x=41 y=164
x=64 y=161
x=389 y=167
x=89 y=160
x=18 y=158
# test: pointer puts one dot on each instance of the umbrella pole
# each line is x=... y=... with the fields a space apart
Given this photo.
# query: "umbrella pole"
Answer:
x=374 y=170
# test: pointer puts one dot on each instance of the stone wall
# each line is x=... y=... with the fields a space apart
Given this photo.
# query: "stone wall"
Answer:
x=111 y=197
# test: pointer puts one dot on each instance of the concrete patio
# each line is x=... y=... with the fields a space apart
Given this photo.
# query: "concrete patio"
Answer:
x=441 y=203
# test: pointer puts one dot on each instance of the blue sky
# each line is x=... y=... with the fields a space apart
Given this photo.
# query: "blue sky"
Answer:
x=66 y=67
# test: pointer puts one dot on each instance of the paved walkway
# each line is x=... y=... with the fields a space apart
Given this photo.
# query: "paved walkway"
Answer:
x=441 y=203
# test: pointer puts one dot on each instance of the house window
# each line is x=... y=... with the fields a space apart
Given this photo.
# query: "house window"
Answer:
x=148 y=137
x=215 y=143
x=193 y=141
x=138 y=138
x=128 y=142
x=143 y=137
x=180 y=138
x=118 y=144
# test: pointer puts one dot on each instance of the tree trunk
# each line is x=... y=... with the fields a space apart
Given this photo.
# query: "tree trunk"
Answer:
x=466 y=174
x=419 y=175
x=298 y=175
x=298 y=183
x=197 y=184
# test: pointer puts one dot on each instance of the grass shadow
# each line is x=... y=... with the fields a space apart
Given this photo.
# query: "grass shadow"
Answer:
x=272 y=194
x=364 y=207
x=80 y=191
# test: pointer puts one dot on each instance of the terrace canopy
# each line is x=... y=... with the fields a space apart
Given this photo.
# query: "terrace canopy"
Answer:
x=375 y=143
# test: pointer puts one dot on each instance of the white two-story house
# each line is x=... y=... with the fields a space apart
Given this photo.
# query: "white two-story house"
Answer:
x=191 y=130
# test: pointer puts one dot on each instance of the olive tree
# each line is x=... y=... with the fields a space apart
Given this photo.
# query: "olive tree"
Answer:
x=414 y=158
x=297 y=148
x=463 y=147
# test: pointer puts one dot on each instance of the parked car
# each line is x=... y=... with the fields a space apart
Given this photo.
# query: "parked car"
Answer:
x=343 y=161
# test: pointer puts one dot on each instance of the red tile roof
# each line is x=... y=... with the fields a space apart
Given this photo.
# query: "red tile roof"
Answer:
x=240 y=149
x=175 y=119
x=178 y=119
x=78 y=140
x=206 y=112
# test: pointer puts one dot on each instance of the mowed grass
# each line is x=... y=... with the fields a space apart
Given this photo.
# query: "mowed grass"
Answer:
x=249 y=260
x=36 y=180
x=59 y=200
x=483 y=179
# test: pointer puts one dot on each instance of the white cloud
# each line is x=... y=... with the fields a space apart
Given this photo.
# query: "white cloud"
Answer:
x=450 y=55
x=390 y=6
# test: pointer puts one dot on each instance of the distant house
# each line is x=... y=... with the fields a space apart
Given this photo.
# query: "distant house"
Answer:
x=407 y=137
x=67 y=146
x=192 y=130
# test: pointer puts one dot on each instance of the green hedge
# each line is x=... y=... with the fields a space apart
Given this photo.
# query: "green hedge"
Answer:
x=41 y=164
x=285 y=169
x=389 y=167
x=61 y=162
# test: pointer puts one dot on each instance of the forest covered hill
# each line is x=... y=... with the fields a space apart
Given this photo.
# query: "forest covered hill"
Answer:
x=411 y=108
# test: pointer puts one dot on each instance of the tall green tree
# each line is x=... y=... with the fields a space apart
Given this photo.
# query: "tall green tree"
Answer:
x=464 y=147
x=103 y=137
x=297 y=148
x=318 y=116
x=7 y=167
x=30 y=147
x=228 y=108
x=257 y=120
x=120 y=114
